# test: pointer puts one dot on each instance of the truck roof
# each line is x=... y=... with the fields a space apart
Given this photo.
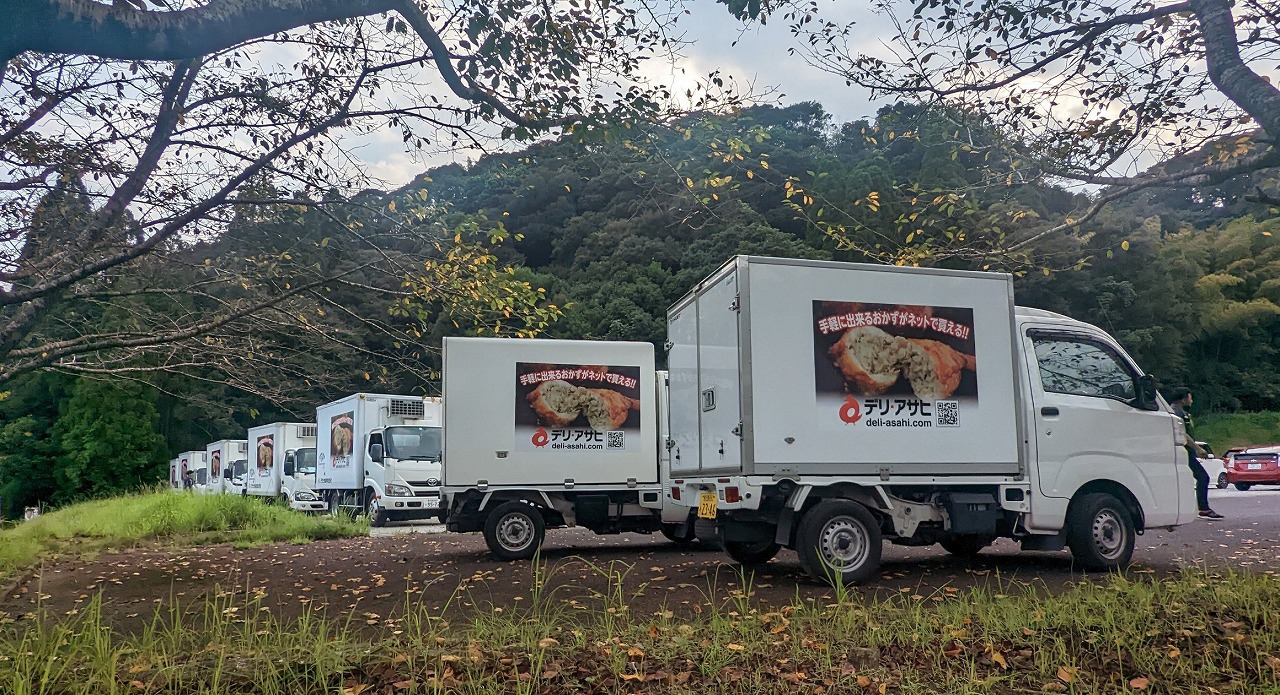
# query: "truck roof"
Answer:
x=1049 y=316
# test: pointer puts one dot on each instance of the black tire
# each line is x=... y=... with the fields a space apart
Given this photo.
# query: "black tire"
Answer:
x=1222 y=481
x=514 y=531
x=282 y=500
x=839 y=542
x=1100 y=532
x=1243 y=486
x=377 y=515
x=672 y=533
x=751 y=553
x=966 y=544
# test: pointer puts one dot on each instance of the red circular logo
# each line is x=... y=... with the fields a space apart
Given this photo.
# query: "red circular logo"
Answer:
x=540 y=438
x=850 y=412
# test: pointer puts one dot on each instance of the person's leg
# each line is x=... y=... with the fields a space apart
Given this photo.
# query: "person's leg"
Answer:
x=1202 y=484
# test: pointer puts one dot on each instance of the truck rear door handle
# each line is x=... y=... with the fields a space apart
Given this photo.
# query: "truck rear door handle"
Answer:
x=1048 y=410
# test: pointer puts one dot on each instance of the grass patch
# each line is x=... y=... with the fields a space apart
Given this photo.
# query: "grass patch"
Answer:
x=1225 y=430
x=185 y=519
x=1195 y=633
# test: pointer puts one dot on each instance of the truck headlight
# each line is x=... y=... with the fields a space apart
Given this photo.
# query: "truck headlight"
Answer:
x=305 y=497
x=394 y=490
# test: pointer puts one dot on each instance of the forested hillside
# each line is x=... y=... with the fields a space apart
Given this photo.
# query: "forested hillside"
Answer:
x=594 y=237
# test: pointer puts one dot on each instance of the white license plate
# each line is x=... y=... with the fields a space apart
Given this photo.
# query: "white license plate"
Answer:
x=1255 y=466
x=707 y=505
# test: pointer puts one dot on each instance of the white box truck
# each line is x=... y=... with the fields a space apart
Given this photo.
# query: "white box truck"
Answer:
x=221 y=457
x=192 y=470
x=826 y=406
x=298 y=480
x=554 y=433
x=380 y=454
x=270 y=446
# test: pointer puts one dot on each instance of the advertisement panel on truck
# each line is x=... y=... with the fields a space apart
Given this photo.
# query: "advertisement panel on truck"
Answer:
x=572 y=408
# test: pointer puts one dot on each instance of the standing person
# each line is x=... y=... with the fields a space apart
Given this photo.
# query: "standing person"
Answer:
x=1181 y=400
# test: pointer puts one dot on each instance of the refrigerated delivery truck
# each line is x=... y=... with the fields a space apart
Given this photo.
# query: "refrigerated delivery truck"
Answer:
x=826 y=407
x=552 y=433
x=190 y=465
x=380 y=454
x=220 y=457
x=298 y=480
x=270 y=445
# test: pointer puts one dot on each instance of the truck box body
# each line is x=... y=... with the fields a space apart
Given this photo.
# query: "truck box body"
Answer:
x=343 y=426
x=759 y=386
x=190 y=463
x=269 y=444
x=495 y=434
x=219 y=456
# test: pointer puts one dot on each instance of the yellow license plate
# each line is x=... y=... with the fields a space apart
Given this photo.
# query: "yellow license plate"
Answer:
x=706 y=505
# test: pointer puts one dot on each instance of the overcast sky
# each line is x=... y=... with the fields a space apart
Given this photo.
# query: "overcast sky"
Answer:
x=758 y=62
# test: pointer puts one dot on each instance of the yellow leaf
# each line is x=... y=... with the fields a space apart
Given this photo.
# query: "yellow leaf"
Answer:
x=391 y=206
x=1139 y=683
x=1067 y=674
x=635 y=653
x=355 y=689
x=138 y=684
x=1174 y=652
x=863 y=681
x=1124 y=245
x=548 y=643
x=367 y=376
x=733 y=646
x=566 y=187
x=999 y=659
x=632 y=677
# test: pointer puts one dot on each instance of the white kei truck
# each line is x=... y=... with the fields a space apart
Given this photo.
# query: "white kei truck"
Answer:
x=222 y=457
x=553 y=433
x=191 y=467
x=380 y=454
x=827 y=406
x=270 y=447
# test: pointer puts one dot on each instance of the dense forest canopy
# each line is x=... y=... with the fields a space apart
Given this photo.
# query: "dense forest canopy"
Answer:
x=602 y=232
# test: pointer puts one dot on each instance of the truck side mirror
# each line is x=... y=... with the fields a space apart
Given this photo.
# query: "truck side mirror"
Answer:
x=226 y=473
x=288 y=467
x=1147 y=398
x=375 y=453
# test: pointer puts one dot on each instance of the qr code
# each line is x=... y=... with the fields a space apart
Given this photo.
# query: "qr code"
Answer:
x=615 y=439
x=948 y=413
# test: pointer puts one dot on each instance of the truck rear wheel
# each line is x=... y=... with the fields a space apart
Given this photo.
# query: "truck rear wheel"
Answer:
x=373 y=509
x=1100 y=532
x=751 y=552
x=965 y=544
x=514 y=531
x=839 y=542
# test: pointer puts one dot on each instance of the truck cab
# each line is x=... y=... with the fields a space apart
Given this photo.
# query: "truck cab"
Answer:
x=402 y=467
x=299 y=479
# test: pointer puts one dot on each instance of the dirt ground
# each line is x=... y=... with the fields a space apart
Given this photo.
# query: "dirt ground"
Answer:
x=372 y=580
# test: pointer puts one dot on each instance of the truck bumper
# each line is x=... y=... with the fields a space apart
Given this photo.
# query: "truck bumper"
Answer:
x=316 y=506
x=416 y=507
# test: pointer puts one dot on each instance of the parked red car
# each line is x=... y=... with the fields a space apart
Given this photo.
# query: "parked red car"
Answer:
x=1254 y=466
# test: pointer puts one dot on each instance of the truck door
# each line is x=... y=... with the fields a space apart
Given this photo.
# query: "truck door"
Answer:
x=682 y=360
x=1089 y=426
x=720 y=415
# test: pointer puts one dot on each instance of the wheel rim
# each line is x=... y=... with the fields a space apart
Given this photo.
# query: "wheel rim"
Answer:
x=843 y=543
x=372 y=506
x=1108 y=534
x=515 y=532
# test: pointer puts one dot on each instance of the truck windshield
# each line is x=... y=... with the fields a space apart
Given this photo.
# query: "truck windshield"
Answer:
x=413 y=443
x=305 y=461
x=239 y=468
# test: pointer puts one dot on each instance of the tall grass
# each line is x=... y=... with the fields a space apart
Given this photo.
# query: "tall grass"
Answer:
x=1196 y=633
x=1226 y=430
x=162 y=515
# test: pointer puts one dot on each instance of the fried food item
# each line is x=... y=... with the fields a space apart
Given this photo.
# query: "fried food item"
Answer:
x=607 y=409
x=557 y=403
x=265 y=455
x=934 y=368
x=869 y=359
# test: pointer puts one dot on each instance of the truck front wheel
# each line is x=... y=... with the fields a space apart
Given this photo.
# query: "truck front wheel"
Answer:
x=1100 y=532
x=751 y=552
x=377 y=515
x=839 y=542
x=514 y=531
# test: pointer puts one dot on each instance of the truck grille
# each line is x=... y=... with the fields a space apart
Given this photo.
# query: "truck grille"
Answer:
x=409 y=409
x=429 y=482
